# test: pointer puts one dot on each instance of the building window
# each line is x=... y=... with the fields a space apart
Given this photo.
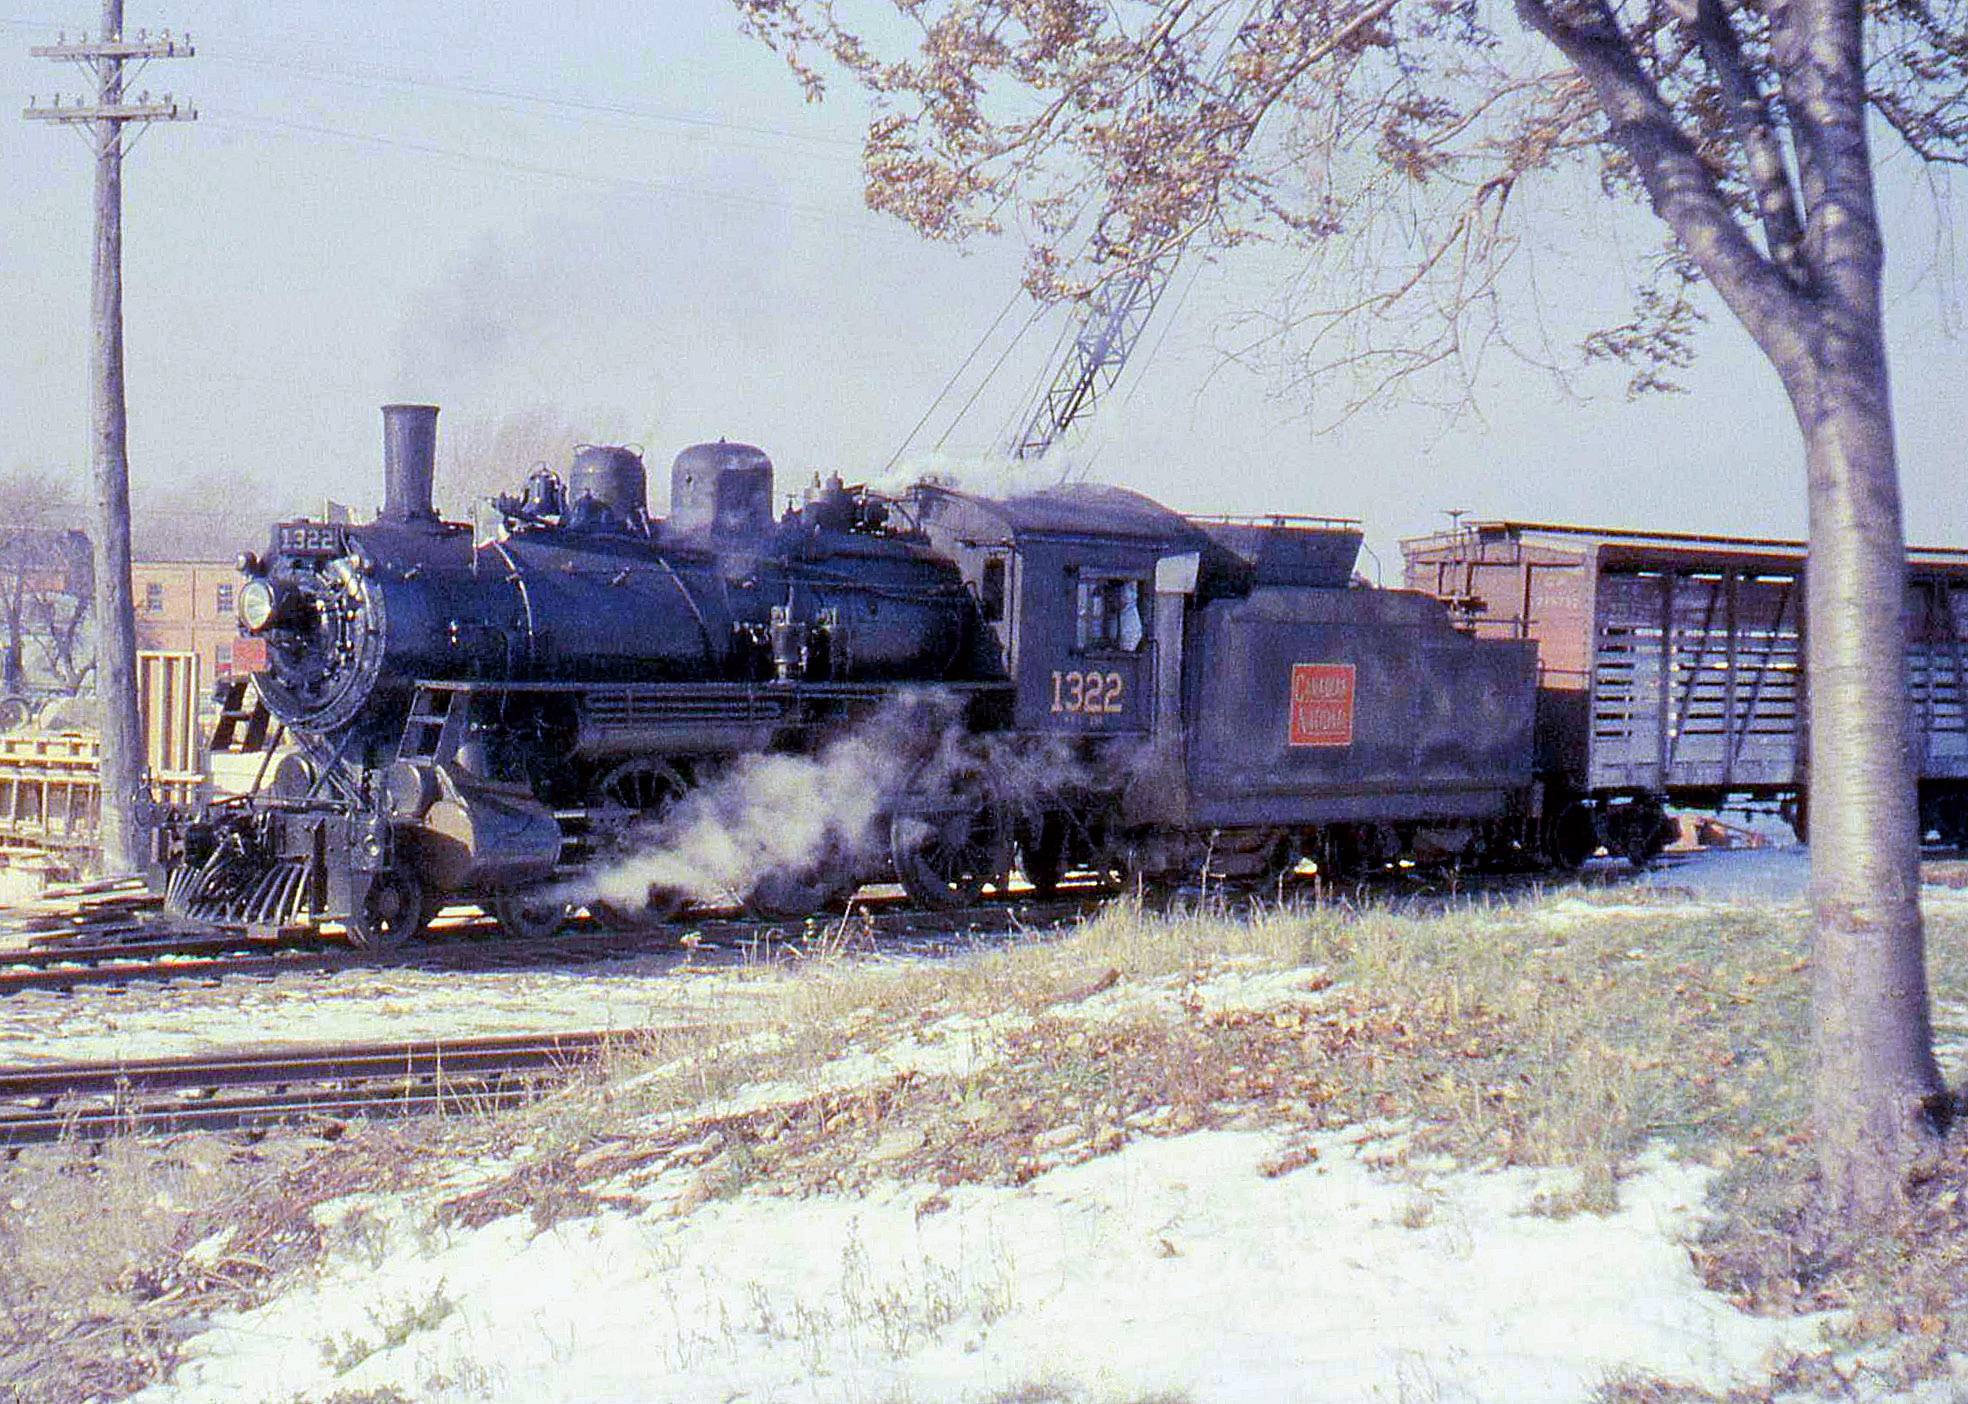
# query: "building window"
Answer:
x=225 y=599
x=1111 y=616
x=222 y=659
x=153 y=598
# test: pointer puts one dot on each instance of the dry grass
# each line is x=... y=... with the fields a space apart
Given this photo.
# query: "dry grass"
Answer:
x=110 y=1256
x=1516 y=1036
x=1565 y=1034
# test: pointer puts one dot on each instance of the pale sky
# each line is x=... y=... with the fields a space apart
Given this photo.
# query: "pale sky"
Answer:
x=625 y=214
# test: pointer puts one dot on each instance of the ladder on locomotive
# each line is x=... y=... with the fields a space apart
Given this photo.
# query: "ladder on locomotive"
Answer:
x=432 y=728
x=244 y=721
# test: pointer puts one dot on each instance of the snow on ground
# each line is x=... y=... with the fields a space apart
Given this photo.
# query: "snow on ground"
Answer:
x=1172 y=1267
x=1776 y=873
x=149 y=1020
x=1677 y=882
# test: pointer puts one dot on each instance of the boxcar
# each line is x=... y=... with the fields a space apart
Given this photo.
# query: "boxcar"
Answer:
x=1672 y=666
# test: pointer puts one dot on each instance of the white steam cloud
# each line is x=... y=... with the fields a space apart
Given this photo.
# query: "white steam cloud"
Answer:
x=766 y=817
x=822 y=819
x=983 y=474
x=785 y=817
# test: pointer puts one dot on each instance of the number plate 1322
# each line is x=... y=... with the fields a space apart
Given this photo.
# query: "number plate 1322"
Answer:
x=1091 y=693
x=308 y=538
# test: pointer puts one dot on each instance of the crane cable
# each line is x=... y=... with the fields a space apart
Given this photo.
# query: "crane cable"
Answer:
x=955 y=376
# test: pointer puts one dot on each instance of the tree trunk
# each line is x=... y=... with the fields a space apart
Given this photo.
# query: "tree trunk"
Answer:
x=1814 y=309
x=1878 y=1094
x=13 y=669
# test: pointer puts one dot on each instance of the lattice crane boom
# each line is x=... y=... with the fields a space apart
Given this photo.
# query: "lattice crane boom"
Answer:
x=1116 y=312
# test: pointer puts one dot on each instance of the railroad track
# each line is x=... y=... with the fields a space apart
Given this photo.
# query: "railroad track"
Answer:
x=310 y=1085
x=116 y=934
x=146 y=958
x=126 y=940
x=328 y=1085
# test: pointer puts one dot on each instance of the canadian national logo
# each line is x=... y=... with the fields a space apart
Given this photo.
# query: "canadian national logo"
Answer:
x=1322 y=704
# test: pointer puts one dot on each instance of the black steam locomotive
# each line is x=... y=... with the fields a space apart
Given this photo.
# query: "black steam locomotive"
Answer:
x=551 y=709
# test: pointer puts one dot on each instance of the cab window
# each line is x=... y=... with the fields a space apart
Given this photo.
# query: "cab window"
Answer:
x=991 y=590
x=1112 y=614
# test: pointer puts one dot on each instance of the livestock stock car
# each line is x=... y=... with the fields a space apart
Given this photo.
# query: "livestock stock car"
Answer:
x=1671 y=668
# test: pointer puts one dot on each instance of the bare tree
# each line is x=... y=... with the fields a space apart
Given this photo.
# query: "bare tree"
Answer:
x=58 y=619
x=197 y=517
x=47 y=582
x=1396 y=143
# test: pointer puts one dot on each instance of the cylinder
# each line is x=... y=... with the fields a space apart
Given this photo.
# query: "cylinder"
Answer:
x=409 y=461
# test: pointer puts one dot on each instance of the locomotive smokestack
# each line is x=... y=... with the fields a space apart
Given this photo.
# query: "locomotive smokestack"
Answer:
x=409 y=461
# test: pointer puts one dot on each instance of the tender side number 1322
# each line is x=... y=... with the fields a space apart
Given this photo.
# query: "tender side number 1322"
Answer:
x=1090 y=693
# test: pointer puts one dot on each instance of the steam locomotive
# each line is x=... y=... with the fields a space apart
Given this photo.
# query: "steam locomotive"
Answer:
x=537 y=711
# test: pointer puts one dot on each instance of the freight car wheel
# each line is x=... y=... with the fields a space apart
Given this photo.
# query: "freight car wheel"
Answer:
x=1954 y=822
x=950 y=841
x=1573 y=837
x=528 y=914
x=1639 y=831
x=394 y=912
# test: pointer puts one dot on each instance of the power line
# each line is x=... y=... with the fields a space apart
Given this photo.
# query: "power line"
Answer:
x=638 y=112
x=234 y=120
x=388 y=78
x=989 y=375
x=950 y=383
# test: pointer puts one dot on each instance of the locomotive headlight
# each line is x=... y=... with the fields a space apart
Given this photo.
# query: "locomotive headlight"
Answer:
x=258 y=604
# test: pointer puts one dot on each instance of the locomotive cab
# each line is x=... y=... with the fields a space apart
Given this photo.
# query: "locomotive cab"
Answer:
x=1071 y=582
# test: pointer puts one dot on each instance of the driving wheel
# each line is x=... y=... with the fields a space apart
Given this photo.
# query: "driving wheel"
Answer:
x=629 y=803
x=948 y=838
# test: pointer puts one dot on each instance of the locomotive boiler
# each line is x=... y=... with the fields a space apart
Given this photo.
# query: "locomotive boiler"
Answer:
x=474 y=708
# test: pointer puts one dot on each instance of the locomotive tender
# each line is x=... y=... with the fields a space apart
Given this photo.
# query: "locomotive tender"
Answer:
x=1071 y=678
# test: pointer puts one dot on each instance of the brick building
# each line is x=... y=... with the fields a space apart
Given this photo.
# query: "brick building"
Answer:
x=188 y=605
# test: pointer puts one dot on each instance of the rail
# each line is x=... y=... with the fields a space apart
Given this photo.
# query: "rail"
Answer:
x=88 y=1101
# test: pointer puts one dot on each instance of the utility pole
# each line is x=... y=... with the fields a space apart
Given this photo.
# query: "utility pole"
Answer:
x=116 y=625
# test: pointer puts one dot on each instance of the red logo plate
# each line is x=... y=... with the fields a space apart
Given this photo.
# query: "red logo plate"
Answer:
x=249 y=655
x=1322 y=704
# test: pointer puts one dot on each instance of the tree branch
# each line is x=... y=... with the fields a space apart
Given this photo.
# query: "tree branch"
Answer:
x=1679 y=185
x=1749 y=111
x=1917 y=130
